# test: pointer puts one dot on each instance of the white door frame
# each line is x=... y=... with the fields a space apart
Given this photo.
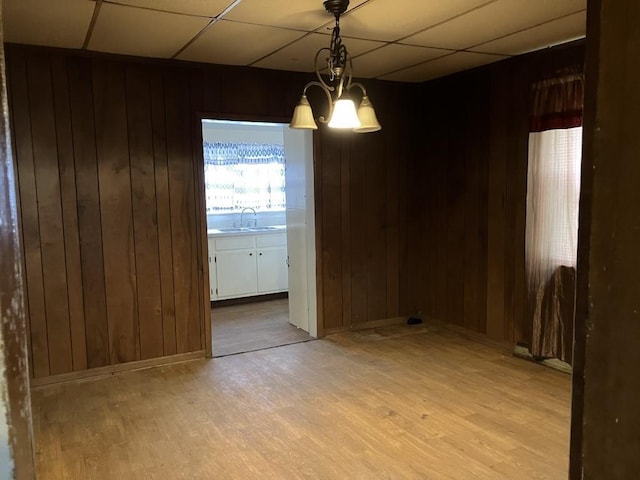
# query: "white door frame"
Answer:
x=301 y=235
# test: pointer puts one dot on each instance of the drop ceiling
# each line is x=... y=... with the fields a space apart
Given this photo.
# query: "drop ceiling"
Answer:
x=400 y=40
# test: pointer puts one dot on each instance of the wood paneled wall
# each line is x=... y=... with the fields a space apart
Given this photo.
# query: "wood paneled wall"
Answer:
x=361 y=199
x=467 y=195
x=109 y=217
x=426 y=216
x=110 y=177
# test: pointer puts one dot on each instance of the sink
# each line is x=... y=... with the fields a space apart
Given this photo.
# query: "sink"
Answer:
x=232 y=229
x=263 y=229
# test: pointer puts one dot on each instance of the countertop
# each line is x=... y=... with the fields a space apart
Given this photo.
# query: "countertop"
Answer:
x=235 y=231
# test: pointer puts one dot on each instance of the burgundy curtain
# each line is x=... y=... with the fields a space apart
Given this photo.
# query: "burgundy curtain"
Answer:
x=557 y=102
x=553 y=188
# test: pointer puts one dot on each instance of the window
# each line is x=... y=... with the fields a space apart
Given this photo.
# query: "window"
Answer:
x=554 y=194
x=242 y=175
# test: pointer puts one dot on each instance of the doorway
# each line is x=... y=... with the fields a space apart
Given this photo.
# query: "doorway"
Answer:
x=260 y=235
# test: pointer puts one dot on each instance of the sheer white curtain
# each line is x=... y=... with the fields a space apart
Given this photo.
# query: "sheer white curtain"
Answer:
x=553 y=195
x=239 y=175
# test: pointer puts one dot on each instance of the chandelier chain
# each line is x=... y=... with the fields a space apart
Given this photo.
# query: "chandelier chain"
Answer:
x=337 y=53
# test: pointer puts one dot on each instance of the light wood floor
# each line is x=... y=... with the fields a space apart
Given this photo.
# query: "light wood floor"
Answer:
x=391 y=403
x=253 y=326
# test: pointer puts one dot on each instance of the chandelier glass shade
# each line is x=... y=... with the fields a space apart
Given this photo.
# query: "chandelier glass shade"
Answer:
x=337 y=86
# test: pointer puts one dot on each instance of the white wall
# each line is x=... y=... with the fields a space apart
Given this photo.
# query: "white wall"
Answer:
x=248 y=132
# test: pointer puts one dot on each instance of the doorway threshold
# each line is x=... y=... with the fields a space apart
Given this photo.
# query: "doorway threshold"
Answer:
x=311 y=339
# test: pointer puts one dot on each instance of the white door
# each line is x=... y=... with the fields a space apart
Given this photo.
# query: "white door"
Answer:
x=298 y=148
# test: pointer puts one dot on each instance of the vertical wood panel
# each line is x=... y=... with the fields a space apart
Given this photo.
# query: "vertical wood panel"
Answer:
x=482 y=152
x=393 y=150
x=318 y=154
x=455 y=269
x=375 y=213
x=496 y=209
x=405 y=138
x=359 y=237
x=418 y=179
x=471 y=255
x=145 y=218
x=66 y=164
x=518 y=152
x=331 y=230
x=183 y=210
x=116 y=211
x=163 y=213
x=50 y=214
x=427 y=229
x=440 y=165
x=29 y=218
x=345 y=227
x=196 y=91
x=89 y=219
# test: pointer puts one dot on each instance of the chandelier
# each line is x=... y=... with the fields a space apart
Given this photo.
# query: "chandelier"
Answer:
x=339 y=88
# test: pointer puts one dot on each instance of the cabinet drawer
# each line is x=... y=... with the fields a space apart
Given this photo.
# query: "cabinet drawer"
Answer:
x=235 y=243
x=272 y=240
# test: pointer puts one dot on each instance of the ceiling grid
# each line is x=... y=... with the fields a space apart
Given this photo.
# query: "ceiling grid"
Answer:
x=400 y=40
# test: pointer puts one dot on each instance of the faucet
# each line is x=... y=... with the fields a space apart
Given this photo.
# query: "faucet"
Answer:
x=255 y=220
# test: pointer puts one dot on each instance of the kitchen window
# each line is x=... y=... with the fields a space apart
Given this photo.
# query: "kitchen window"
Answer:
x=244 y=175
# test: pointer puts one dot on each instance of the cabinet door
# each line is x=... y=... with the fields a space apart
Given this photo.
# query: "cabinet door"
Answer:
x=272 y=269
x=236 y=273
x=213 y=284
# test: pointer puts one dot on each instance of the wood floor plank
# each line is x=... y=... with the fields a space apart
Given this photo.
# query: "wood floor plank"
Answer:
x=253 y=326
x=395 y=402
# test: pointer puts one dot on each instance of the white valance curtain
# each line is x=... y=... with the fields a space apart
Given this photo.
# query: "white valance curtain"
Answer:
x=553 y=194
x=241 y=175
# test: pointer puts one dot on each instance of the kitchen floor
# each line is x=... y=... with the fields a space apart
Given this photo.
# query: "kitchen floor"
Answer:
x=253 y=326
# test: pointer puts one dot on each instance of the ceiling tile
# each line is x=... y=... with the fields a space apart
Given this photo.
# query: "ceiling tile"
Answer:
x=390 y=20
x=56 y=23
x=299 y=56
x=392 y=57
x=300 y=14
x=440 y=67
x=234 y=43
x=203 y=8
x=135 y=31
x=492 y=21
x=558 y=31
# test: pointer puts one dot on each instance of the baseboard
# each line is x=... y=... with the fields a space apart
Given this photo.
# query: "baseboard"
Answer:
x=521 y=351
x=110 y=370
x=253 y=299
x=385 y=322
x=506 y=347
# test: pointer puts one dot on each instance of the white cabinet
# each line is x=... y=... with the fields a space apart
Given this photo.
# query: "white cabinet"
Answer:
x=272 y=269
x=246 y=265
x=236 y=273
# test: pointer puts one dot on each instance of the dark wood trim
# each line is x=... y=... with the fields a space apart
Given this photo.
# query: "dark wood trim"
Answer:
x=14 y=363
x=592 y=75
x=244 y=300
